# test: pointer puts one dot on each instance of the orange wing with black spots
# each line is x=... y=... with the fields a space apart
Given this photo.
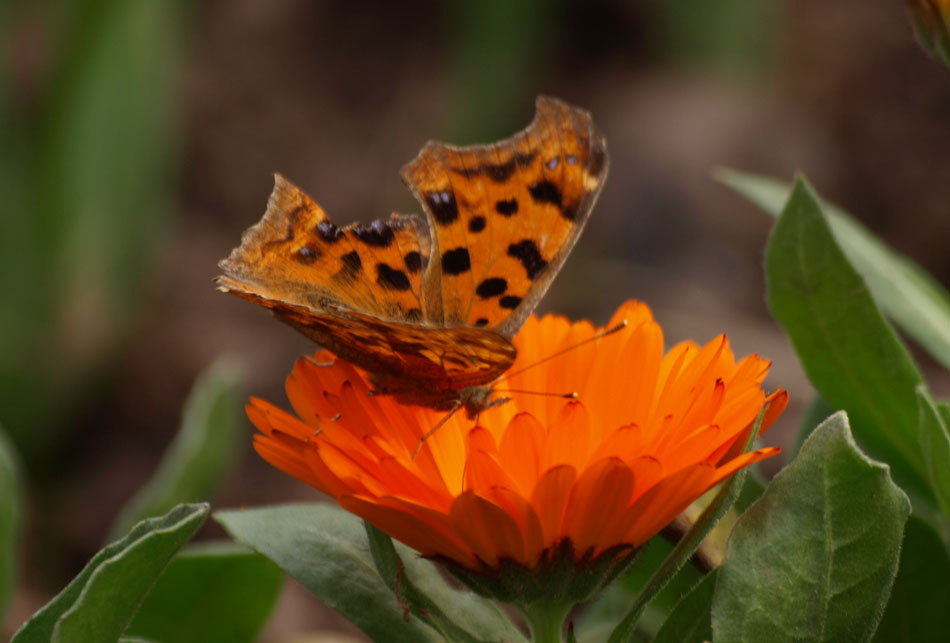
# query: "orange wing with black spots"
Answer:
x=297 y=255
x=505 y=216
x=428 y=308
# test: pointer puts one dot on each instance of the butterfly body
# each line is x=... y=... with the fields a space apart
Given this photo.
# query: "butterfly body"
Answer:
x=428 y=308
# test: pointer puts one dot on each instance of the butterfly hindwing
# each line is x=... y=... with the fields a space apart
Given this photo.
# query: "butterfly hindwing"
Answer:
x=505 y=216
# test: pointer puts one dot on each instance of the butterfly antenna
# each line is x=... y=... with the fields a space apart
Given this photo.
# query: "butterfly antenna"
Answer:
x=571 y=396
x=437 y=426
x=610 y=331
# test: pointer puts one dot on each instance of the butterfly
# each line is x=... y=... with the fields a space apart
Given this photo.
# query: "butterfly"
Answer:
x=428 y=308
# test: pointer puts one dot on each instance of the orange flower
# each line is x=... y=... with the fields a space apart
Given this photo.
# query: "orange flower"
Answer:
x=538 y=476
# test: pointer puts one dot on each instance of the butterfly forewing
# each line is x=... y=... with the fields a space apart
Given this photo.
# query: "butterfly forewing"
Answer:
x=505 y=216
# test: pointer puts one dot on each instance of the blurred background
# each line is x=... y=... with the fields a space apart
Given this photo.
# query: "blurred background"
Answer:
x=138 y=139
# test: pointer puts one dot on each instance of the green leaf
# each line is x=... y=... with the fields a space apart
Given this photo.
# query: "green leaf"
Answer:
x=848 y=350
x=202 y=453
x=919 y=609
x=326 y=550
x=690 y=621
x=935 y=445
x=210 y=593
x=419 y=585
x=913 y=299
x=95 y=188
x=753 y=488
x=814 y=558
x=100 y=602
x=11 y=516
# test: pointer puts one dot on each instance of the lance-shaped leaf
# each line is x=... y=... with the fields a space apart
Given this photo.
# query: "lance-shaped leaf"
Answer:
x=690 y=620
x=919 y=609
x=815 y=557
x=935 y=445
x=99 y=603
x=11 y=512
x=326 y=549
x=848 y=350
x=215 y=592
x=203 y=451
x=909 y=296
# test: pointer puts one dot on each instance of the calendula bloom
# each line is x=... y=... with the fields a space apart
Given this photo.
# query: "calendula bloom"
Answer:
x=540 y=478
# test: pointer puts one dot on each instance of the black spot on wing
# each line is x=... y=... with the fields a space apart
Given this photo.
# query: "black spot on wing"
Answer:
x=352 y=264
x=526 y=251
x=498 y=172
x=456 y=261
x=378 y=233
x=413 y=261
x=295 y=214
x=491 y=287
x=307 y=254
x=481 y=321
x=509 y=301
x=506 y=207
x=570 y=210
x=328 y=231
x=443 y=206
x=545 y=192
x=476 y=223
x=390 y=278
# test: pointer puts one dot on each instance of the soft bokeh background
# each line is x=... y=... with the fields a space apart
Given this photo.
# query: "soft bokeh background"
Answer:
x=137 y=141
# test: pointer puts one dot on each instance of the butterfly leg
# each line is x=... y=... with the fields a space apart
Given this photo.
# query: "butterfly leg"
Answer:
x=316 y=363
x=438 y=425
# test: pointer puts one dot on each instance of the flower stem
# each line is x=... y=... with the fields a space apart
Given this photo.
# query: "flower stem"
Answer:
x=546 y=620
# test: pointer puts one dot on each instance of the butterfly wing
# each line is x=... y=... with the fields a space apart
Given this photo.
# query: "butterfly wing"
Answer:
x=297 y=255
x=358 y=292
x=505 y=216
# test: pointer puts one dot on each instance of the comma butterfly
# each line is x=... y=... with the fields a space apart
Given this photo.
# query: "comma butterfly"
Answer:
x=428 y=308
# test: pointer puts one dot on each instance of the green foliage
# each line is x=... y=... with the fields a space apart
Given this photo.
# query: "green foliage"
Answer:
x=728 y=35
x=809 y=560
x=690 y=620
x=11 y=516
x=848 y=350
x=86 y=180
x=204 y=450
x=393 y=572
x=935 y=445
x=909 y=296
x=100 y=602
x=210 y=593
x=919 y=609
x=326 y=550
